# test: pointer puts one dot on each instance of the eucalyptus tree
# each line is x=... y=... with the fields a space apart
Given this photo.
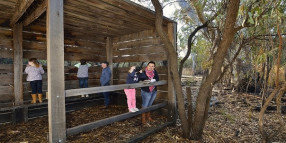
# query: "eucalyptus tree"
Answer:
x=226 y=20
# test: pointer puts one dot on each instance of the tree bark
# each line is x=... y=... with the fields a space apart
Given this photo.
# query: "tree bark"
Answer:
x=190 y=105
x=279 y=55
x=206 y=87
x=173 y=64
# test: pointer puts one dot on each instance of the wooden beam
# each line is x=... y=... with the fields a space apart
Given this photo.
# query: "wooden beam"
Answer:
x=6 y=68
x=171 y=90
x=80 y=91
x=109 y=56
x=18 y=63
x=141 y=50
x=23 y=5
x=100 y=123
x=141 y=58
x=36 y=13
x=55 y=60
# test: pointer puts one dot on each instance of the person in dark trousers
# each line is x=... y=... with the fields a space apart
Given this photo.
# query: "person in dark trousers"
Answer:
x=82 y=74
x=35 y=70
x=148 y=93
x=105 y=81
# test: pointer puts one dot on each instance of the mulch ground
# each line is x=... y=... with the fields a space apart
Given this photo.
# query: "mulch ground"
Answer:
x=232 y=120
x=36 y=130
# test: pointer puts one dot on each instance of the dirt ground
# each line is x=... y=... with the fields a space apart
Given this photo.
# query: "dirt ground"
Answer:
x=231 y=120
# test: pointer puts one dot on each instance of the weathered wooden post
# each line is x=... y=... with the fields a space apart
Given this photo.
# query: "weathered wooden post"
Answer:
x=171 y=90
x=109 y=56
x=18 y=63
x=55 y=60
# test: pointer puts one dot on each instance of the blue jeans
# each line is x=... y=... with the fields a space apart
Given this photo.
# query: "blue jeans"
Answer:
x=36 y=86
x=106 y=98
x=83 y=82
x=148 y=98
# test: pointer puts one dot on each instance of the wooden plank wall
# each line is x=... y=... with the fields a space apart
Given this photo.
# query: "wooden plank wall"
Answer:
x=34 y=45
x=6 y=70
x=144 y=46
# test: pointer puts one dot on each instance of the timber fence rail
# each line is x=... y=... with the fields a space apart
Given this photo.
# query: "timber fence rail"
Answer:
x=80 y=91
x=103 y=122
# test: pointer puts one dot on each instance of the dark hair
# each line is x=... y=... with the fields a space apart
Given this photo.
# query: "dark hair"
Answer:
x=137 y=69
x=151 y=62
x=105 y=62
x=82 y=61
x=35 y=61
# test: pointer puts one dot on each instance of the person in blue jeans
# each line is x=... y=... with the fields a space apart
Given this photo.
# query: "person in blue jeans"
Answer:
x=105 y=81
x=148 y=93
x=82 y=74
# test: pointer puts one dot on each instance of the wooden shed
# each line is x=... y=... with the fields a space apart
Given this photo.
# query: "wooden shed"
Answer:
x=59 y=32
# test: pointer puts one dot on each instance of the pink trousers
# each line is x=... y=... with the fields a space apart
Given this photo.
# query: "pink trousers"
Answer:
x=131 y=97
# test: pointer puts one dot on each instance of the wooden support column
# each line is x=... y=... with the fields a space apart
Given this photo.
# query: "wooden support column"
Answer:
x=55 y=60
x=18 y=63
x=109 y=56
x=172 y=104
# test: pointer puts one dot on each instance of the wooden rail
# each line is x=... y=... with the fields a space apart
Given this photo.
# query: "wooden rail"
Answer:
x=149 y=132
x=103 y=122
x=80 y=91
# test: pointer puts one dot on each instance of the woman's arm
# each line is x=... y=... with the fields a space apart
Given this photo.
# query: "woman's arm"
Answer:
x=132 y=74
x=42 y=70
x=27 y=69
x=77 y=65
x=88 y=64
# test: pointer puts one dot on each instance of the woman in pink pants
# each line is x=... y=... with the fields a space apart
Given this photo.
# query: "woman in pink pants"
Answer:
x=131 y=93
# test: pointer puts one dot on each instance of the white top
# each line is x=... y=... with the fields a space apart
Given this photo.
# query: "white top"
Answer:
x=82 y=70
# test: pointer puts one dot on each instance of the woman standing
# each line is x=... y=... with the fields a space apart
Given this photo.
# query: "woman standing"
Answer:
x=82 y=74
x=149 y=93
x=35 y=71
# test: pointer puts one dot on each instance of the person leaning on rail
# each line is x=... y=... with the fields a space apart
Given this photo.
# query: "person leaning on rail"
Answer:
x=148 y=93
x=132 y=77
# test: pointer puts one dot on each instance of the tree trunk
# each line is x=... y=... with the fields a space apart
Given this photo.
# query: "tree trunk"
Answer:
x=265 y=137
x=190 y=105
x=173 y=66
x=265 y=86
x=204 y=94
